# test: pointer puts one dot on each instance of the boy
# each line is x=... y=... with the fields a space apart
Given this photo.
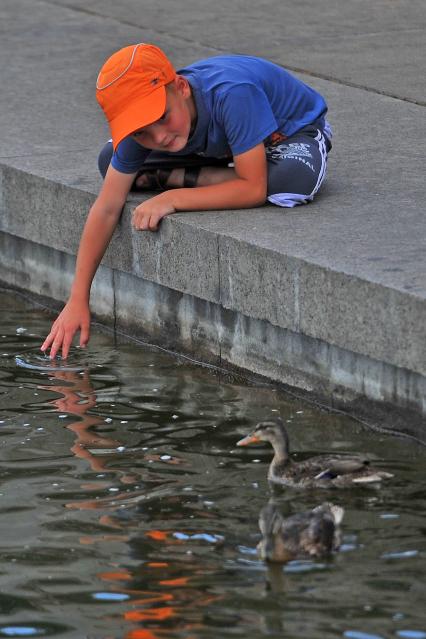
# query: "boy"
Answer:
x=224 y=133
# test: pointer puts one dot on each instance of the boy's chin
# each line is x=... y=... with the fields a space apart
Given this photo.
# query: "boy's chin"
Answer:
x=177 y=144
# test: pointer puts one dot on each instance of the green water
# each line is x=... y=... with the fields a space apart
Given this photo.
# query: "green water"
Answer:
x=127 y=511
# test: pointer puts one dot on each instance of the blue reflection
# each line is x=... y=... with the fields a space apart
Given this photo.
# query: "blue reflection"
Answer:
x=246 y=550
x=212 y=539
x=354 y=634
x=400 y=555
x=110 y=596
x=411 y=634
x=301 y=565
x=44 y=363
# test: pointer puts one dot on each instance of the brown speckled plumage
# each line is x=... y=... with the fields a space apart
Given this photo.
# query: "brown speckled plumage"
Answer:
x=320 y=471
x=310 y=534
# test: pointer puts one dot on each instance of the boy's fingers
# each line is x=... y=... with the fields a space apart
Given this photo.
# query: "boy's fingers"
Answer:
x=144 y=222
x=59 y=338
x=66 y=344
x=84 y=335
x=47 y=342
x=153 y=222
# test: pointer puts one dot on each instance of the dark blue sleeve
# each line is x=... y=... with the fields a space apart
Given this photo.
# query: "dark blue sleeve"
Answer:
x=129 y=156
x=246 y=116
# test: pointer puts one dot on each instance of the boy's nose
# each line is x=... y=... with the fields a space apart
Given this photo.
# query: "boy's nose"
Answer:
x=159 y=135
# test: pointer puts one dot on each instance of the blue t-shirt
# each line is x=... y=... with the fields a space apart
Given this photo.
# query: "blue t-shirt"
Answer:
x=240 y=100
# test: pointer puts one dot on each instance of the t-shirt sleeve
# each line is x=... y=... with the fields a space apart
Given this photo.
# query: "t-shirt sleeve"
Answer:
x=246 y=116
x=129 y=156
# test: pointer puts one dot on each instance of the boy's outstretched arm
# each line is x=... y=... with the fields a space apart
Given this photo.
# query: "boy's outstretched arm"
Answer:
x=101 y=222
x=247 y=188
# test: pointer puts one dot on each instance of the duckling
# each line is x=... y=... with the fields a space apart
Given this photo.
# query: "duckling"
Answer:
x=313 y=533
x=321 y=471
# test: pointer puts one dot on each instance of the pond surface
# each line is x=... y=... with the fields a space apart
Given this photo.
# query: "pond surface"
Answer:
x=127 y=511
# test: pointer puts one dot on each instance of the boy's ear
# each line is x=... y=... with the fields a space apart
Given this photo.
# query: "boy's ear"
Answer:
x=182 y=86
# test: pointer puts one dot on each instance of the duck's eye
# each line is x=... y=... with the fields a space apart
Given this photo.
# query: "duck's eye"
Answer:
x=268 y=425
x=262 y=428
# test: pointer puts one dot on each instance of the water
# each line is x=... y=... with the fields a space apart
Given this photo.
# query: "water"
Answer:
x=127 y=511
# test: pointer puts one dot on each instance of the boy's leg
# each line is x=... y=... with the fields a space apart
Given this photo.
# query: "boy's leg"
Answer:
x=161 y=171
x=297 y=167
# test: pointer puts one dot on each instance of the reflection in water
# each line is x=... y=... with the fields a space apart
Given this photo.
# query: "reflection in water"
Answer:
x=44 y=364
x=167 y=602
x=309 y=534
x=126 y=510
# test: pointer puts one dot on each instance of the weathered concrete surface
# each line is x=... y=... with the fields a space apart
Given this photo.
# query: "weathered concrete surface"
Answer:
x=330 y=297
x=378 y=46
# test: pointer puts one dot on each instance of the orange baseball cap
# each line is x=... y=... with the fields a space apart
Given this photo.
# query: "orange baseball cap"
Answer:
x=131 y=88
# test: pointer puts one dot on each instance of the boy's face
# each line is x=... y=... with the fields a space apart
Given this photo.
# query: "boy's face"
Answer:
x=171 y=132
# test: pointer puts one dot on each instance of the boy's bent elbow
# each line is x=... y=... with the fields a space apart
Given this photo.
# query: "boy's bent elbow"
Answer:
x=257 y=194
x=262 y=197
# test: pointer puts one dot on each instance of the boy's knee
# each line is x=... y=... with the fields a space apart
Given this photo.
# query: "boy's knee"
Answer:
x=296 y=177
x=104 y=158
x=299 y=170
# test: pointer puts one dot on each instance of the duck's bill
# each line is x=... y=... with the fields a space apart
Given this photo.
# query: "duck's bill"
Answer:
x=250 y=439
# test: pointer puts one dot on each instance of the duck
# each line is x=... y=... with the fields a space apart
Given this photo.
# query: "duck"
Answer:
x=310 y=534
x=337 y=470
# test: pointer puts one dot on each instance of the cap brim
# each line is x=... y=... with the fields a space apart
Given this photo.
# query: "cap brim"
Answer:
x=139 y=113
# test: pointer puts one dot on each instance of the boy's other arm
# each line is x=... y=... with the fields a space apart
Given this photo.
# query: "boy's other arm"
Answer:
x=100 y=224
x=247 y=189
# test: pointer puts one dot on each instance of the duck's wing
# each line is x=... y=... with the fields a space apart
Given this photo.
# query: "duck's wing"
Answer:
x=336 y=512
x=294 y=538
x=318 y=538
x=330 y=466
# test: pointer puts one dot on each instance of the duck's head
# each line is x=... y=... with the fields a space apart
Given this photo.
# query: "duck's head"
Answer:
x=271 y=430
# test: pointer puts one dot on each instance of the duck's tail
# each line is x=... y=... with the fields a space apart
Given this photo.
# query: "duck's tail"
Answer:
x=369 y=478
x=337 y=512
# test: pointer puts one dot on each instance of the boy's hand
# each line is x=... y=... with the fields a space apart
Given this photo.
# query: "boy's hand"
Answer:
x=74 y=316
x=147 y=215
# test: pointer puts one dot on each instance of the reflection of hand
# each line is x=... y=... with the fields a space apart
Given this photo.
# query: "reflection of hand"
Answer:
x=77 y=398
x=77 y=392
x=147 y=215
x=80 y=381
x=74 y=316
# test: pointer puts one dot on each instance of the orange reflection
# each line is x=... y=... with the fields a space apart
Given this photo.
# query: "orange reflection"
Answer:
x=151 y=613
x=141 y=634
x=167 y=599
x=116 y=576
x=164 y=607
x=159 y=535
x=180 y=581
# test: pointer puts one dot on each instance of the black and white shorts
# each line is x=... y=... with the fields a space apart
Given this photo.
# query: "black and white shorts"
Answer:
x=297 y=165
